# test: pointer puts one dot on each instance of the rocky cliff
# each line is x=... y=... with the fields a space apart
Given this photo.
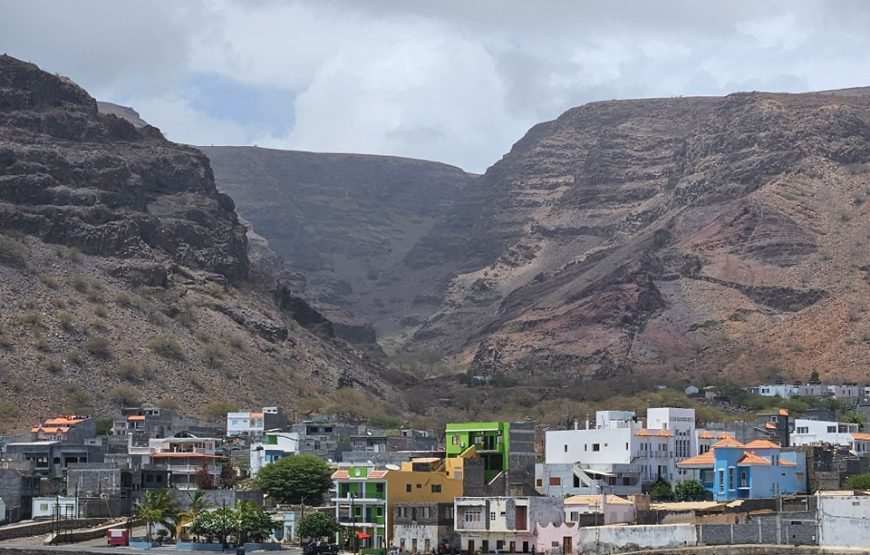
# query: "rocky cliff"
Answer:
x=124 y=273
x=666 y=240
x=347 y=222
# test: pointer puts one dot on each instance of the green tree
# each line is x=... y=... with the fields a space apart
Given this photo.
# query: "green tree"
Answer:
x=214 y=525
x=318 y=525
x=661 y=491
x=690 y=490
x=253 y=523
x=290 y=479
x=814 y=377
x=858 y=482
x=157 y=507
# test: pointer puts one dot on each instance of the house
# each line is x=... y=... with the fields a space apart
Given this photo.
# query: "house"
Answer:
x=275 y=446
x=361 y=506
x=692 y=391
x=251 y=424
x=2 y=511
x=817 y=432
x=775 y=425
x=619 y=456
x=58 y=507
x=75 y=429
x=758 y=469
x=325 y=437
x=421 y=527
x=52 y=458
x=607 y=509
x=507 y=450
x=505 y=524
x=188 y=459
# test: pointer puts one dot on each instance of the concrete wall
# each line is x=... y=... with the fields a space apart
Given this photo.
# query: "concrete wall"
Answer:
x=613 y=539
x=843 y=520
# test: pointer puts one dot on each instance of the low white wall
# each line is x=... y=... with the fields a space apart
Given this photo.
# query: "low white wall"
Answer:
x=610 y=539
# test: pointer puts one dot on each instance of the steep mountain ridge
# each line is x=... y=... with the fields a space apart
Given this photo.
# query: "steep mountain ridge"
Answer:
x=124 y=274
x=346 y=222
x=664 y=239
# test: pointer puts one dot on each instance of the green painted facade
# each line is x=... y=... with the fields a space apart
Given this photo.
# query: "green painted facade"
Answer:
x=491 y=440
x=369 y=505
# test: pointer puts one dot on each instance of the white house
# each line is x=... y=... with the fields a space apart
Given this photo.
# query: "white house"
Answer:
x=816 y=432
x=618 y=456
x=247 y=423
x=53 y=507
x=2 y=510
x=185 y=457
x=612 y=508
x=275 y=446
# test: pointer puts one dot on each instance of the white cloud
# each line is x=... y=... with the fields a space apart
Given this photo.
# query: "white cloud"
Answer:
x=453 y=80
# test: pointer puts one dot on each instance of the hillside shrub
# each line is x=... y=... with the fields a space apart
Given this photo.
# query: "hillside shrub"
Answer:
x=166 y=347
x=99 y=347
x=125 y=396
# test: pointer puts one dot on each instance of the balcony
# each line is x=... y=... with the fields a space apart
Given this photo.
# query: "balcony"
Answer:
x=346 y=501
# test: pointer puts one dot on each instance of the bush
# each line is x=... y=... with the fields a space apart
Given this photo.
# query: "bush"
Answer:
x=52 y=365
x=80 y=284
x=11 y=252
x=66 y=318
x=125 y=396
x=74 y=356
x=6 y=343
x=131 y=371
x=8 y=411
x=214 y=355
x=166 y=347
x=858 y=482
x=31 y=320
x=78 y=402
x=98 y=324
x=214 y=290
x=235 y=342
x=49 y=281
x=218 y=410
x=99 y=347
x=42 y=345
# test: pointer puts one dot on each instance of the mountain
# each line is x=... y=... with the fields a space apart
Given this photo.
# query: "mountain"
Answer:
x=125 y=274
x=346 y=222
x=660 y=240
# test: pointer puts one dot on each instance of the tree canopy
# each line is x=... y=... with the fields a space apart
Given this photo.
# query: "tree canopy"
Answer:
x=318 y=525
x=858 y=482
x=661 y=491
x=291 y=479
x=690 y=490
x=157 y=507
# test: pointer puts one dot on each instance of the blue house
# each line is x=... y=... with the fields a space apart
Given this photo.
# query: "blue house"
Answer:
x=759 y=469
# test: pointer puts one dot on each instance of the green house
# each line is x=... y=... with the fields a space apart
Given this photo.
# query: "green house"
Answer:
x=491 y=440
x=361 y=506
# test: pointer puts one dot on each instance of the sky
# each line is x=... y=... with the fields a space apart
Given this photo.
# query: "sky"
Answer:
x=457 y=81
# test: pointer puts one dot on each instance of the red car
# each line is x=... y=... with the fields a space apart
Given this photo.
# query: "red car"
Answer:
x=118 y=536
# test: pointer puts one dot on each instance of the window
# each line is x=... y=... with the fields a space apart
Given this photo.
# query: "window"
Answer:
x=731 y=477
x=832 y=429
x=408 y=488
x=419 y=486
x=721 y=481
x=379 y=488
x=585 y=447
x=491 y=516
x=380 y=511
x=539 y=483
x=803 y=430
x=596 y=447
x=436 y=488
x=565 y=448
x=555 y=481
x=626 y=446
x=455 y=440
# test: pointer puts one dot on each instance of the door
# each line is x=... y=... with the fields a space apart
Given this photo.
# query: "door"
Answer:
x=567 y=547
x=513 y=547
x=470 y=547
x=484 y=544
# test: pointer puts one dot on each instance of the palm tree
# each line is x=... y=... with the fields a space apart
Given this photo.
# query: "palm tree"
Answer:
x=198 y=503
x=157 y=507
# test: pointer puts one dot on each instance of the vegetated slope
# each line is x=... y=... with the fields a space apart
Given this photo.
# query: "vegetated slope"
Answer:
x=124 y=273
x=347 y=222
x=683 y=238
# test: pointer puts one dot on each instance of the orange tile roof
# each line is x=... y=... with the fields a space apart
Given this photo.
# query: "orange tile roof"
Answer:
x=63 y=421
x=705 y=435
x=727 y=442
x=704 y=459
x=665 y=433
x=50 y=429
x=256 y=415
x=770 y=425
x=783 y=412
x=136 y=417
x=342 y=474
x=786 y=462
x=762 y=444
x=643 y=432
x=861 y=437
x=750 y=458
x=724 y=435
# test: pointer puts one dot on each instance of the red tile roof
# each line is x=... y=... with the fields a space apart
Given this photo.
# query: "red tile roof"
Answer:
x=728 y=442
x=750 y=459
x=702 y=460
x=762 y=444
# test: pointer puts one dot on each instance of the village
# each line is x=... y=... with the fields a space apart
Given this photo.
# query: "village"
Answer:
x=652 y=480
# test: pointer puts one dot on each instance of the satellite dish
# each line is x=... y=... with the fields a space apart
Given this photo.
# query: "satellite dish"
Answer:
x=392 y=467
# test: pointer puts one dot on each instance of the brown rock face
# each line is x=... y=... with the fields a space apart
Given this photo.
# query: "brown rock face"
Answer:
x=124 y=276
x=671 y=238
x=73 y=176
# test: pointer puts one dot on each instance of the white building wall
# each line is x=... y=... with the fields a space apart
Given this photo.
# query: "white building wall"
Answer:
x=44 y=507
x=843 y=520
x=604 y=446
x=679 y=421
x=814 y=432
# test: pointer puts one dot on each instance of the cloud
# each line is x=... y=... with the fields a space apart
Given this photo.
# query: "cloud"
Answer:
x=453 y=80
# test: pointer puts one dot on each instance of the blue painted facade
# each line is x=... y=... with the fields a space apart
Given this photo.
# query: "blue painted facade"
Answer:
x=741 y=473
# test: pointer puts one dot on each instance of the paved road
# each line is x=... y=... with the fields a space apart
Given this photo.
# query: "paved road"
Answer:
x=85 y=547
